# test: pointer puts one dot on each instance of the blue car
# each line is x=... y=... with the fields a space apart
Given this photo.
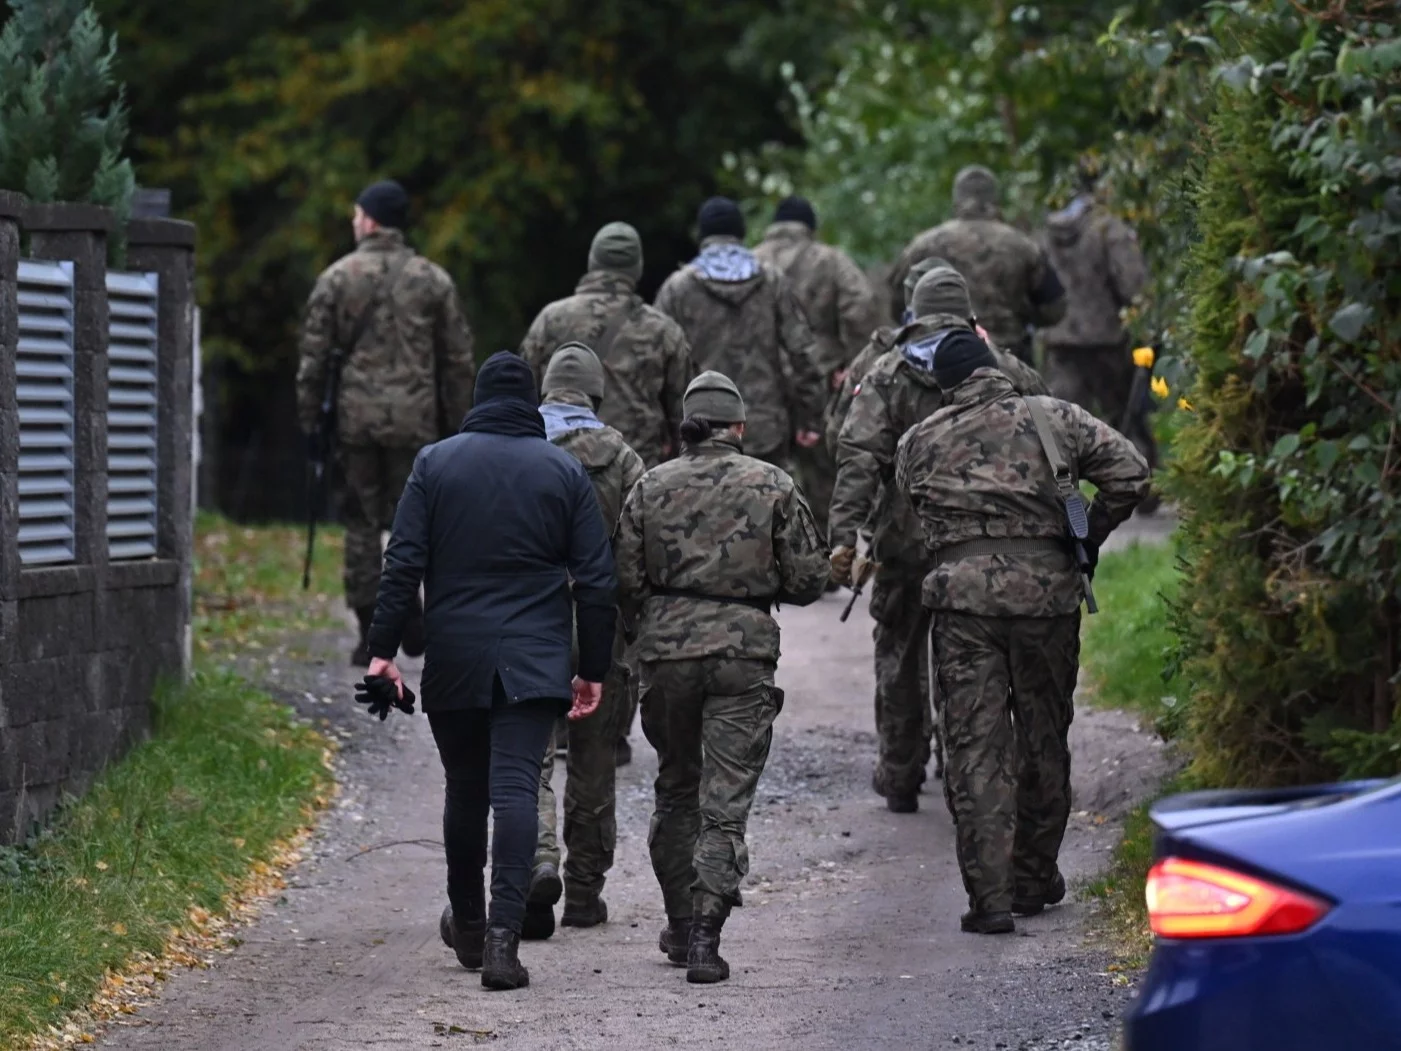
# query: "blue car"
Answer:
x=1278 y=922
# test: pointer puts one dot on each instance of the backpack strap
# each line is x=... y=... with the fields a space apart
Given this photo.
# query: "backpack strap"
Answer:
x=604 y=346
x=362 y=322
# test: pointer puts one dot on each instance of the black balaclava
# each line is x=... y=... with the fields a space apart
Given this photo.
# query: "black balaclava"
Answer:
x=505 y=375
x=960 y=353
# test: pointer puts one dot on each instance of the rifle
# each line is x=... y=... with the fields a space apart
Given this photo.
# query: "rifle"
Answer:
x=323 y=448
x=1077 y=518
x=860 y=584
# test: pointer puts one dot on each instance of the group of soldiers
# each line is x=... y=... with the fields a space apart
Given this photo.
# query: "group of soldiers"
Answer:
x=930 y=461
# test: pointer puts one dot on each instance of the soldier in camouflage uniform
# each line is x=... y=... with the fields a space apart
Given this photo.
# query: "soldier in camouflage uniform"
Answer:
x=574 y=386
x=407 y=381
x=708 y=543
x=1005 y=594
x=898 y=392
x=648 y=363
x=1088 y=357
x=840 y=307
x=1014 y=286
x=742 y=318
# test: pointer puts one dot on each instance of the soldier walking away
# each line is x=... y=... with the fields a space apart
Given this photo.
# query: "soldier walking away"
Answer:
x=390 y=321
x=646 y=360
x=742 y=319
x=898 y=392
x=1089 y=359
x=1014 y=286
x=840 y=306
x=708 y=544
x=574 y=388
x=993 y=477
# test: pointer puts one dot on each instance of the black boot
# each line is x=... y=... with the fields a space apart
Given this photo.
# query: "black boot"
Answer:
x=903 y=804
x=1026 y=902
x=501 y=965
x=584 y=912
x=545 y=889
x=360 y=655
x=465 y=939
x=413 y=642
x=704 y=964
x=622 y=752
x=974 y=922
x=676 y=939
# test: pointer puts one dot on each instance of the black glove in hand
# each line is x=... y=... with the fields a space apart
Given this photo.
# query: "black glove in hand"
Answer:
x=379 y=693
x=1091 y=558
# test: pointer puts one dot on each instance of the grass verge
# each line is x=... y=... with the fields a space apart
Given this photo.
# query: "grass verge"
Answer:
x=1123 y=911
x=191 y=821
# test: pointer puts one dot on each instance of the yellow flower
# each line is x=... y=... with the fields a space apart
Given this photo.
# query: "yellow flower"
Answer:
x=1183 y=403
x=1143 y=357
x=1160 y=387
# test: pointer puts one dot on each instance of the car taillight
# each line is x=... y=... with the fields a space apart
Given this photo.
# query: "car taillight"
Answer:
x=1189 y=899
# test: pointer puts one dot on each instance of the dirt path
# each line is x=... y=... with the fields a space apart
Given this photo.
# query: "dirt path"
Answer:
x=849 y=936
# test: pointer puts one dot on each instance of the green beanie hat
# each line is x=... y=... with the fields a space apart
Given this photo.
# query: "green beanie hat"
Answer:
x=713 y=396
x=618 y=246
x=942 y=291
x=574 y=367
x=975 y=193
x=919 y=270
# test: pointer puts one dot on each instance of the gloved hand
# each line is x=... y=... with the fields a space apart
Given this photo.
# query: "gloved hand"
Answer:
x=381 y=695
x=1091 y=558
x=842 y=559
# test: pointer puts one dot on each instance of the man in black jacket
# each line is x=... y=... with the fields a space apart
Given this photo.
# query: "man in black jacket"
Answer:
x=504 y=531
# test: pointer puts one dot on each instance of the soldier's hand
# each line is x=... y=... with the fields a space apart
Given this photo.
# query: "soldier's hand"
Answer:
x=807 y=439
x=587 y=696
x=861 y=568
x=842 y=559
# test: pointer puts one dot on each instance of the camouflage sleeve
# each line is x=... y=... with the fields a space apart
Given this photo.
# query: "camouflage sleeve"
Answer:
x=456 y=364
x=318 y=337
x=667 y=295
x=631 y=555
x=1048 y=300
x=535 y=348
x=1025 y=379
x=841 y=404
x=803 y=569
x=865 y=452
x=680 y=369
x=855 y=306
x=632 y=469
x=1110 y=462
x=1128 y=273
x=807 y=389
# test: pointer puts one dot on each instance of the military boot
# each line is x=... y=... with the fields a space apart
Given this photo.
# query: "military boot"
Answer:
x=905 y=803
x=545 y=889
x=414 y=641
x=676 y=939
x=360 y=655
x=704 y=965
x=463 y=939
x=584 y=912
x=975 y=922
x=1027 y=902
x=501 y=965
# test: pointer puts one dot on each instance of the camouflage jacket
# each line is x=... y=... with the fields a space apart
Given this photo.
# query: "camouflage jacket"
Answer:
x=833 y=292
x=976 y=469
x=409 y=381
x=893 y=396
x=1012 y=283
x=1098 y=260
x=754 y=331
x=646 y=371
x=882 y=340
x=612 y=465
x=715 y=522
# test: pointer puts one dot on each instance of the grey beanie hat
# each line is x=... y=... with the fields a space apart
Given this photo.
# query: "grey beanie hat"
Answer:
x=574 y=367
x=975 y=192
x=919 y=270
x=713 y=396
x=942 y=291
x=617 y=246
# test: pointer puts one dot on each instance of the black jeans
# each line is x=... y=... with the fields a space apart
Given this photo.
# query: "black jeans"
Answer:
x=492 y=760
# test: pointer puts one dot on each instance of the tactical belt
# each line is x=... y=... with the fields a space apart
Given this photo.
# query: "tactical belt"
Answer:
x=999 y=546
x=761 y=603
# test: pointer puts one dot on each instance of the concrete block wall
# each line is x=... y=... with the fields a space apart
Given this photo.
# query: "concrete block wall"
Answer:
x=83 y=645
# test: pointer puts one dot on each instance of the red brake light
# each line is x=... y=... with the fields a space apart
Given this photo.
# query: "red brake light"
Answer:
x=1189 y=899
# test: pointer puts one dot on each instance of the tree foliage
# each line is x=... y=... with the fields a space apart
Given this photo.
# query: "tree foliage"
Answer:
x=63 y=121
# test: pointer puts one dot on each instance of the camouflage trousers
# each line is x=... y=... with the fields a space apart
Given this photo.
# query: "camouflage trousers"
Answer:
x=904 y=717
x=1100 y=380
x=590 y=796
x=816 y=470
x=1009 y=792
x=374 y=481
x=711 y=722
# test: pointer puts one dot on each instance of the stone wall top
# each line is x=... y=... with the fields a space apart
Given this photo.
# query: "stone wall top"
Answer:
x=66 y=217
x=174 y=232
x=13 y=205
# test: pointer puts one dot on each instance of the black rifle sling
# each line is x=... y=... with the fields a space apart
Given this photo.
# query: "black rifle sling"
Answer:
x=363 y=321
x=604 y=346
x=1065 y=478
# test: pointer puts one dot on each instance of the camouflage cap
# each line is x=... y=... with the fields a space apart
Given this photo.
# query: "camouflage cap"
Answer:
x=975 y=192
x=941 y=291
x=617 y=246
x=919 y=270
x=713 y=396
x=574 y=367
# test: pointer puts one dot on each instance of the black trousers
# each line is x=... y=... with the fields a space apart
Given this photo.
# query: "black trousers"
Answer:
x=492 y=760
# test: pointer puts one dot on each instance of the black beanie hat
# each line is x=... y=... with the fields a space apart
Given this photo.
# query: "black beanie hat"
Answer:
x=386 y=203
x=720 y=217
x=958 y=355
x=505 y=375
x=796 y=210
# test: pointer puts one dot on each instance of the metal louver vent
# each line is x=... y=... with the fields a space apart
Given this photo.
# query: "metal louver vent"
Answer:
x=131 y=415
x=44 y=370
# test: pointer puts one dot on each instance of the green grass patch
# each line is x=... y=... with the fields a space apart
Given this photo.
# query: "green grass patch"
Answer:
x=1126 y=646
x=1123 y=909
x=174 y=826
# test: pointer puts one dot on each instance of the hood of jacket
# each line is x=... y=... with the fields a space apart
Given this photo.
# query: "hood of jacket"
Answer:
x=1066 y=226
x=727 y=269
x=918 y=340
